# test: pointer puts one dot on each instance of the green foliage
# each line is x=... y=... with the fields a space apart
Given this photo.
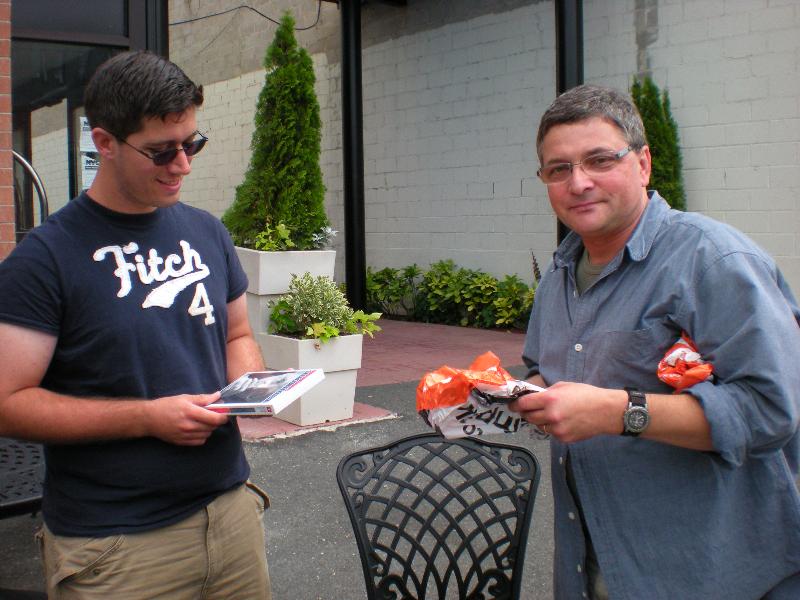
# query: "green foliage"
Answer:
x=274 y=239
x=662 y=138
x=283 y=181
x=315 y=307
x=450 y=295
x=393 y=291
x=513 y=302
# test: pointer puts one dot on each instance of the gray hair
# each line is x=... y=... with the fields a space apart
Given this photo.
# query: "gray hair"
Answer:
x=588 y=101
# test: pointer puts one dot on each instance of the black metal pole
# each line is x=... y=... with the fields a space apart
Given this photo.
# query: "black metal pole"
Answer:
x=353 y=155
x=569 y=56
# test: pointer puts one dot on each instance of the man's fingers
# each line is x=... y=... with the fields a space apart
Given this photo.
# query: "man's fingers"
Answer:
x=205 y=399
x=528 y=402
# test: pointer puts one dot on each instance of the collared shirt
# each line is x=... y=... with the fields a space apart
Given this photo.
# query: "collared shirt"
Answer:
x=668 y=522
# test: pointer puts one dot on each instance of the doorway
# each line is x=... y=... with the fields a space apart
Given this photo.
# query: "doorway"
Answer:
x=56 y=46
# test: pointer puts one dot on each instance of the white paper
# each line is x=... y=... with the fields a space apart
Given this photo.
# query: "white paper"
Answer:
x=89 y=166
x=86 y=143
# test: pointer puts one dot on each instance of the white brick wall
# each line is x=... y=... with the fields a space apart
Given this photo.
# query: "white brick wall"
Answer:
x=449 y=126
x=227 y=119
x=450 y=113
x=49 y=158
x=49 y=153
x=732 y=69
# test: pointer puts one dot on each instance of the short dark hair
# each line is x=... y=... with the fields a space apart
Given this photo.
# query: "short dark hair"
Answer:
x=132 y=86
x=588 y=101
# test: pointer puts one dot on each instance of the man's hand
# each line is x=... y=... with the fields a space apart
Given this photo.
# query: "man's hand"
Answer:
x=572 y=412
x=183 y=419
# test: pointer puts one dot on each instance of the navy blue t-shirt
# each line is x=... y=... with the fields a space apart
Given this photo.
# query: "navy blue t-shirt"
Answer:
x=138 y=303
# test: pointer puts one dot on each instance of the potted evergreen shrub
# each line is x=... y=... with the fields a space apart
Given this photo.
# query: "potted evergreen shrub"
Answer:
x=278 y=220
x=313 y=326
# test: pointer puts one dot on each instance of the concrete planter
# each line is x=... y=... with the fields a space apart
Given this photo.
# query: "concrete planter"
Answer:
x=269 y=274
x=340 y=358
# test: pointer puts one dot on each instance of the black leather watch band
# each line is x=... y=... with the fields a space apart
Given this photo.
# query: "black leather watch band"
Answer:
x=636 y=417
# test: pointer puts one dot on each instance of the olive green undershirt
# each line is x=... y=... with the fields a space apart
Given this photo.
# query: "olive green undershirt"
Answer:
x=586 y=273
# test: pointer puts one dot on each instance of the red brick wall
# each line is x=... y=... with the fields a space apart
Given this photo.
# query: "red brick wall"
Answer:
x=6 y=180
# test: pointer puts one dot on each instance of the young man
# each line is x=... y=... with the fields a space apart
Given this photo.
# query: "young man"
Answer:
x=659 y=494
x=120 y=318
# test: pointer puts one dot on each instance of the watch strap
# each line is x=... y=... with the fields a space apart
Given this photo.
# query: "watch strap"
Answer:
x=637 y=403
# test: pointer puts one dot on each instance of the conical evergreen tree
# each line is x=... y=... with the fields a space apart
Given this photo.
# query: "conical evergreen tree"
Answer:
x=283 y=182
x=662 y=137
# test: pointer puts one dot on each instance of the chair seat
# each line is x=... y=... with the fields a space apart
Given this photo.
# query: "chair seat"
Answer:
x=21 y=477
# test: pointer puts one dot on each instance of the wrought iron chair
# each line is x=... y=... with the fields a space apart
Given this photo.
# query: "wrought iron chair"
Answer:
x=21 y=475
x=437 y=518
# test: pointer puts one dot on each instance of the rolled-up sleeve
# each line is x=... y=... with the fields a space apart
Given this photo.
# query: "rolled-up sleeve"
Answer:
x=751 y=335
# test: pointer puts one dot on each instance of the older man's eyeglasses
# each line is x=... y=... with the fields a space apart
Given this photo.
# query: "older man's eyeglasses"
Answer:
x=167 y=156
x=594 y=164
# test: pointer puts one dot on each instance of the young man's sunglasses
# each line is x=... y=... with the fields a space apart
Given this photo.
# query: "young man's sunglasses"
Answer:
x=167 y=156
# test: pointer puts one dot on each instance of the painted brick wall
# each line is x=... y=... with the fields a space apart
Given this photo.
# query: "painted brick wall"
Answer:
x=732 y=68
x=449 y=126
x=452 y=99
x=7 y=227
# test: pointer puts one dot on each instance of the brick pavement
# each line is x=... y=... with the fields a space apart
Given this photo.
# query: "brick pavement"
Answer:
x=403 y=351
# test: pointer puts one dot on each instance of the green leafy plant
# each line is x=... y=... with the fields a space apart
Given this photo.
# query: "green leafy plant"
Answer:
x=274 y=239
x=283 y=182
x=662 y=138
x=393 y=291
x=450 y=295
x=315 y=307
x=513 y=302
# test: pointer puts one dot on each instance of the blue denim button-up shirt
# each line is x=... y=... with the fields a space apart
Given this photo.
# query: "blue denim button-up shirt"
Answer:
x=667 y=522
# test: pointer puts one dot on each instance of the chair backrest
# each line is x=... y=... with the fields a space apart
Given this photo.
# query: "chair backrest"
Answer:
x=437 y=518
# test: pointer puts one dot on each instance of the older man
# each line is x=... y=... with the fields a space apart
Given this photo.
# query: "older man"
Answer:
x=659 y=494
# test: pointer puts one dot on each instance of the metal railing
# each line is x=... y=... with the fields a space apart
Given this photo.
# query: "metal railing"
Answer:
x=44 y=208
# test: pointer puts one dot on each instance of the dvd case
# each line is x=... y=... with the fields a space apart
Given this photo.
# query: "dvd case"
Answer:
x=265 y=393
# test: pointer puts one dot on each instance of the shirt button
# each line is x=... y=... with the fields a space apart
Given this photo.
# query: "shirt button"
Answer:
x=578 y=347
x=571 y=516
x=585 y=595
x=561 y=460
x=580 y=569
x=575 y=293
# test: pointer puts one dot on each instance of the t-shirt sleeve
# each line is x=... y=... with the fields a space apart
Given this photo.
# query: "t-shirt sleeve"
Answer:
x=30 y=293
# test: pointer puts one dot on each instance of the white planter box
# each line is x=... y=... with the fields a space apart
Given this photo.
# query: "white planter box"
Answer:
x=269 y=274
x=340 y=358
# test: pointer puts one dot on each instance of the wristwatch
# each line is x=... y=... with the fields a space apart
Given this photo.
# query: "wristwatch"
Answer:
x=636 y=417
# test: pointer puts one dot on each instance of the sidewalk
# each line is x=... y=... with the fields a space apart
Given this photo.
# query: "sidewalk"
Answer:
x=403 y=351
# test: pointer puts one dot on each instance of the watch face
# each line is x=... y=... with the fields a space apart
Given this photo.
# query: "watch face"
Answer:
x=636 y=419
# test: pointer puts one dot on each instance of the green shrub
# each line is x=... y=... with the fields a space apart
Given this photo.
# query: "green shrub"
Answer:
x=393 y=291
x=662 y=138
x=283 y=182
x=513 y=302
x=450 y=295
x=315 y=307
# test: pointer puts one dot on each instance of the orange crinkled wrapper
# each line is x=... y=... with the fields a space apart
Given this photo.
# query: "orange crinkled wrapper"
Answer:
x=447 y=386
x=682 y=365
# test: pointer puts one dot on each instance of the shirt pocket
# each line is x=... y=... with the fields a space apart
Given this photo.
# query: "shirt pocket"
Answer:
x=632 y=357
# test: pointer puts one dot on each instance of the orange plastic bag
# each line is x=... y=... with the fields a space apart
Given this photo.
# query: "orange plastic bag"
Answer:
x=447 y=386
x=682 y=365
x=474 y=401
